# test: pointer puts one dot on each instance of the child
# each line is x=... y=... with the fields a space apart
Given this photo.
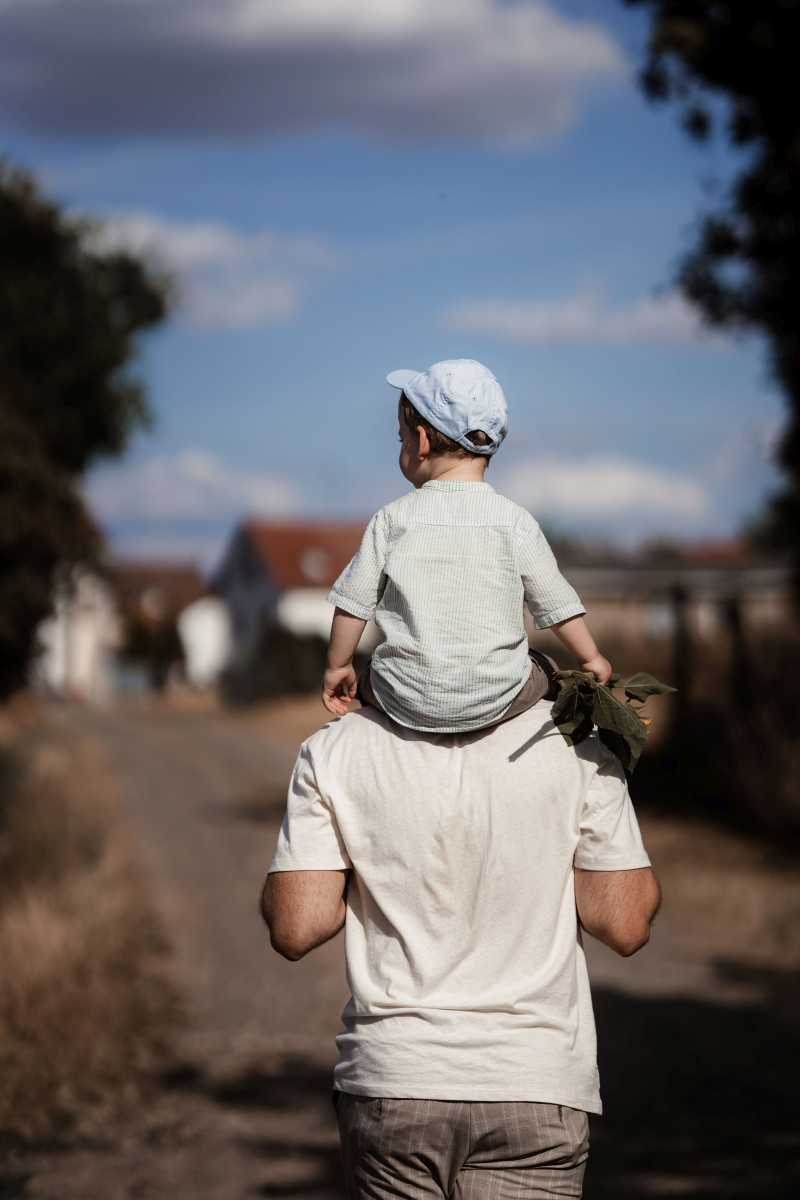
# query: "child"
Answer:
x=445 y=570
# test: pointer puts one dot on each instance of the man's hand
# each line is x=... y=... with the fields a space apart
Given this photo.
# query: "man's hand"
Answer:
x=598 y=666
x=338 y=687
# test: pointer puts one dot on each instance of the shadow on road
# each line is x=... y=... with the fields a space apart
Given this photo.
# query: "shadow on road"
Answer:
x=700 y=1102
x=700 y=1099
x=297 y=1089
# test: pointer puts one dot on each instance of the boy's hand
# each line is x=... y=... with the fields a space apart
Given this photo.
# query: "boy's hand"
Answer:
x=598 y=666
x=338 y=686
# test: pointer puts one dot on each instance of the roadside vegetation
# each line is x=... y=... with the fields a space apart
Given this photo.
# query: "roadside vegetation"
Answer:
x=86 y=1008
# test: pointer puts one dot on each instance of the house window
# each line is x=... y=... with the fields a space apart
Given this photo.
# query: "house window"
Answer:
x=315 y=565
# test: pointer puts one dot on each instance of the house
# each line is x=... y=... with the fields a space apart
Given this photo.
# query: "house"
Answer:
x=79 y=640
x=278 y=574
x=204 y=628
x=152 y=597
x=154 y=591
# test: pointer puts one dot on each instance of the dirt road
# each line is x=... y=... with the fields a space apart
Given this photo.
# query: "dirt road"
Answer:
x=695 y=1057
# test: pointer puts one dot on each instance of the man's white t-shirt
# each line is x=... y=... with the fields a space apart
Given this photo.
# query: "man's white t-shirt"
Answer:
x=463 y=950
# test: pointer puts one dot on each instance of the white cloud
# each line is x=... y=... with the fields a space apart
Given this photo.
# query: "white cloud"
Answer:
x=228 y=278
x=240 y=304
x=604 y=487
x=192 y=485
x=482 y=70
x=585 y=318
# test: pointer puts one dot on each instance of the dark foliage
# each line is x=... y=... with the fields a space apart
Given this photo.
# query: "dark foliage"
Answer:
x=155 y=644
x=743 y=271
x=69 y=317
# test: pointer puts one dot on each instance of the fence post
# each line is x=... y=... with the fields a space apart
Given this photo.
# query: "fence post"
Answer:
x=681 y=648
x=740 y=663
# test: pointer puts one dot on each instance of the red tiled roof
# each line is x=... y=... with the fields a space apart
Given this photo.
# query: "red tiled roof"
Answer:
x=303 y=555
x=177 y=584
x=720 y=550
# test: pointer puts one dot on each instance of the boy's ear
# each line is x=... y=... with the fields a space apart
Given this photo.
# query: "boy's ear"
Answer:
x=423 y=445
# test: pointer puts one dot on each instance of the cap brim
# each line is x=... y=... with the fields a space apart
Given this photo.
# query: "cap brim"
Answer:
x=399 y=379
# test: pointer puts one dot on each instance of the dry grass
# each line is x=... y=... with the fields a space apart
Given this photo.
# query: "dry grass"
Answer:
x=85 y=1007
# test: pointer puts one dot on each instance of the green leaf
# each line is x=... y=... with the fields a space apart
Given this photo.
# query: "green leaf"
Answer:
x=642 y=685
x=572 y=708
x=565 y=703
x=582 y=703
x=577 y=731
x=620 y=721
x=617 y=744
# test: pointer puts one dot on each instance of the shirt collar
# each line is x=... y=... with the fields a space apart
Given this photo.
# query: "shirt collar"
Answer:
x=455 y=485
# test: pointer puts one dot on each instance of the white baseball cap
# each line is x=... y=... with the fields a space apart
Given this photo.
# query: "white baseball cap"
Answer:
x=458 y=396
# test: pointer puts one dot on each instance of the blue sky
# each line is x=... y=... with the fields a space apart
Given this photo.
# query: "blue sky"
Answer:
x=341 y=189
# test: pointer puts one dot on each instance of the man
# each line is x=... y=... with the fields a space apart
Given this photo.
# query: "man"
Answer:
x=463 y=867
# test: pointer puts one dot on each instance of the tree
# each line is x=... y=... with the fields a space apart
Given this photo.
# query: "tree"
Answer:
x=743 y=270
x=70 y=316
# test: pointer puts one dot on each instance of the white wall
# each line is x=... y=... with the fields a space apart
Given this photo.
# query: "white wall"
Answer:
x=306 y=611
x=204 y=628
x=78 y=641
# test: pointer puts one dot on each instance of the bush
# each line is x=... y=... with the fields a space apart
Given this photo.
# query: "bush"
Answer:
x=733 y=747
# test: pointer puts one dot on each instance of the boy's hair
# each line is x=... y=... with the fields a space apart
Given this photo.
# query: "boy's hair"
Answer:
x=440 y=442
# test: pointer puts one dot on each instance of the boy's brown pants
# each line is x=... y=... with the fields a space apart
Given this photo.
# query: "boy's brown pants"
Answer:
x=540 y=685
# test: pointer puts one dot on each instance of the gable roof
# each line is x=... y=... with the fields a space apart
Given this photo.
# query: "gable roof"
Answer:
x=171 y=586
x=300 y=554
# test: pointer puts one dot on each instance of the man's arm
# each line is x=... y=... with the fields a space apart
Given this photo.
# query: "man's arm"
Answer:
x=303 y=909
x=617 y=907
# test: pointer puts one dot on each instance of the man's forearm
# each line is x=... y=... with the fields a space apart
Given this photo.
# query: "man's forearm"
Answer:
x=346 y=632
x=617 y=907
x=303 y=909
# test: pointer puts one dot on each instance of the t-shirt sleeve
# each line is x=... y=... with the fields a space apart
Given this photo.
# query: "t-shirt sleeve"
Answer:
x=309 y=838
x=360 y=585
x=548 y=595
x=609 y=838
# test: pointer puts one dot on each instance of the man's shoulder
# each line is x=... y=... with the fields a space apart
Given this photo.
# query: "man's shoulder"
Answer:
x=363 y=723
x=369 y=727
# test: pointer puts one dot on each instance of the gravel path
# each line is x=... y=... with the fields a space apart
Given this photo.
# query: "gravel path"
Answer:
x=695 y=1060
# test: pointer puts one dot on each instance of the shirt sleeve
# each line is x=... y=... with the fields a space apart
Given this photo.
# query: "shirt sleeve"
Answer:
x=309 y=838
x=609 y=836
x=360 y=585
x=547 y=594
